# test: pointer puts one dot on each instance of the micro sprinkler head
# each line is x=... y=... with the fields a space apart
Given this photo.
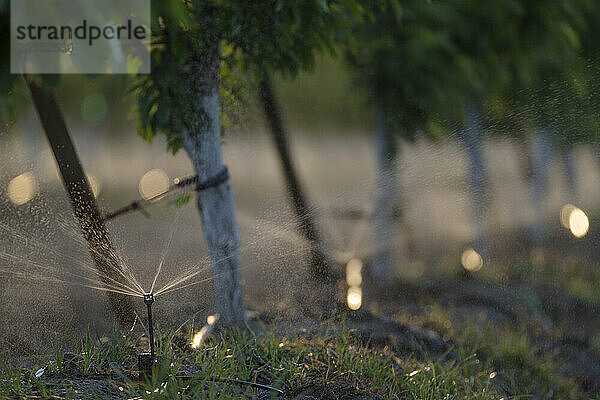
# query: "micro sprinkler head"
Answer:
x=149 y=298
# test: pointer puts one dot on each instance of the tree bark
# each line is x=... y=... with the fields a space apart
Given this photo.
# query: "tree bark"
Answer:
x=202 y=140
x=319 y=262
x=478 y=176
x=570 y=163
x=386 y=199
x=524 y=159
x=82 y=199
x=541 y=157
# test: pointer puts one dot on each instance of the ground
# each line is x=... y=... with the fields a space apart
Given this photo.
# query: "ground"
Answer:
x=453 y=341
x=329 y=367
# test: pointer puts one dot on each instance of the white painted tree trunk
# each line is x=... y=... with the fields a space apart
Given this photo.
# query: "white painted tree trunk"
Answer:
x=386 y=200
x=570 y=164
x=217 y=204
x=478 y=177
x=541 y=156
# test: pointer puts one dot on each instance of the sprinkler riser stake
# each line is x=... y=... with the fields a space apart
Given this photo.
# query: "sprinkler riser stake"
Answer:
x=146 y=361
x=149 y=299
x=146 y=365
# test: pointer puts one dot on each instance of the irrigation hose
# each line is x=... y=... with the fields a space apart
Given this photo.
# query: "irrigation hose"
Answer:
x=178 y=183
x=236 y=381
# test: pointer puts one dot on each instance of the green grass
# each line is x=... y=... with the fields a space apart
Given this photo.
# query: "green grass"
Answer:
x=291 y=364
x=492 y=362
x=519 y=365
x=523 y=366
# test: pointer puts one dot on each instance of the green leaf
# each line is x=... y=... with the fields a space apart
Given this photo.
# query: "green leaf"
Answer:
x=182 y=200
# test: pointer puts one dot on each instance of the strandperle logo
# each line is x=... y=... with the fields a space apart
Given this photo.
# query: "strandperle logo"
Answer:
x=80 y=36
x=82 y=32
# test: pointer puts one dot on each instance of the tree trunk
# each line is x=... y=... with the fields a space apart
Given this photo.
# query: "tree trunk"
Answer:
x=202 y=141
x=570 y=164
x=524 y=159
x=478 y=177
x=82 y=199
x=386 y=199
x=541 y=157
x=319 y=263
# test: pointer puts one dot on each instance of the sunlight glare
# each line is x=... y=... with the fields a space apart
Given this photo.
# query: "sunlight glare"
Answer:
x=211 y=319
x=199 y=337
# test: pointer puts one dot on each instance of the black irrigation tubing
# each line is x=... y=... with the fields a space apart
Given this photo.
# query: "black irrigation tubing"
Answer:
x=236 y=381
x=178 y=183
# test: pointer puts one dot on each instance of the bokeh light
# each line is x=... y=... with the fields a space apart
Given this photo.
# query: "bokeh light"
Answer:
x=21 y=189
x=565 y=214
x=353 y=272
x=579 y=224
x=471 y=260
x=354 y=298
x=154 y=182
x=199 y=337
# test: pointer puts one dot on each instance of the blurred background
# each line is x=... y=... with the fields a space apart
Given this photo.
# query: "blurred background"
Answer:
x=332 y=143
